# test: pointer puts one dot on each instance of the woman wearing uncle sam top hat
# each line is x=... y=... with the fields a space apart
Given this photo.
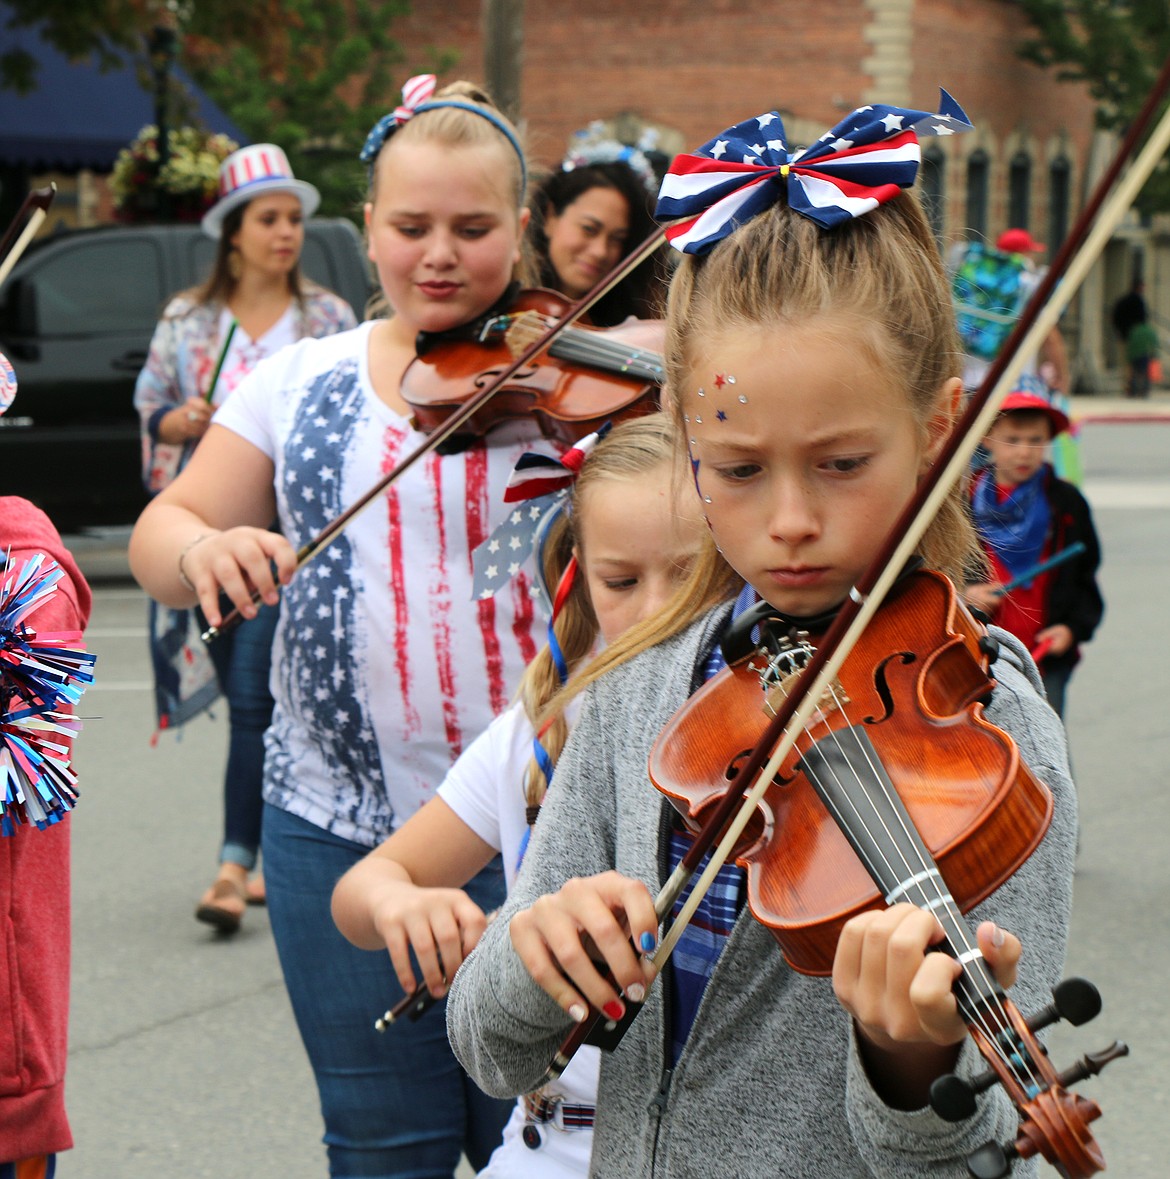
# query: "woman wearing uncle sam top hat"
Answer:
x=254 y=302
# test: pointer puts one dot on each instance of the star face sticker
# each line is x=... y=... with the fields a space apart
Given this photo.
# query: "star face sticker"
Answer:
x=720 y=380
x=721 y=415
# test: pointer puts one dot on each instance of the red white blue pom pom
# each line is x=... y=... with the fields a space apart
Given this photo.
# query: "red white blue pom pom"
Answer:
x=40 y=674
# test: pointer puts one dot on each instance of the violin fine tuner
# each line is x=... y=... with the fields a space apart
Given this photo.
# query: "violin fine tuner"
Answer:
x=1076 y=1001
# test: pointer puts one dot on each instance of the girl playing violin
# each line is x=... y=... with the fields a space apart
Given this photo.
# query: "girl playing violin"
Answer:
x=383 y=666
x=615 y=558
x=813 y=362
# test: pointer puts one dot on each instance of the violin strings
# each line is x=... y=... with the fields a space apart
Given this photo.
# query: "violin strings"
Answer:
x=975 y=970
x=593 y=348
x=915 y=877
x=610 y=355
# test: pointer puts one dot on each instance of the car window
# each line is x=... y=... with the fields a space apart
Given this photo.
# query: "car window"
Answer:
x=200 y=250
x=99 y=288
x=316 y=263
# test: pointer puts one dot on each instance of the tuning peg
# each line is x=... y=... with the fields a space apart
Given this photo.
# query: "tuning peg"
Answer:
x=1092 y=1064
x=953 y=1097
x=1075 y=1000
x=991 y=1161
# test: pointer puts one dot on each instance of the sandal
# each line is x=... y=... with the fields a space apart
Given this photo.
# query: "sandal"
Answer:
x=254 y=892
x=225 y=917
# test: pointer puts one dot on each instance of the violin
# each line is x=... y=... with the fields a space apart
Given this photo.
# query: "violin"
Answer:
x=898 y=749
x=899 y=790
x=586 y=377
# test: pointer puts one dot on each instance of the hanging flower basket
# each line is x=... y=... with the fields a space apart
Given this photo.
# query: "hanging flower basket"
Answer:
x=183 y=189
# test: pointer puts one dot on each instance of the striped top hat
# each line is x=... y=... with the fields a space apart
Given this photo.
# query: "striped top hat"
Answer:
x=254 y=171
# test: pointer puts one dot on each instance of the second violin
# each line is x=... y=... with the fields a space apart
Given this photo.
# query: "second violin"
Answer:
x=587 y=376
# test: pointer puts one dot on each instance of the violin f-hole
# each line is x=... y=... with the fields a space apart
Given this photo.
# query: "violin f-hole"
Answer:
x=733 y=767
x=882 y=685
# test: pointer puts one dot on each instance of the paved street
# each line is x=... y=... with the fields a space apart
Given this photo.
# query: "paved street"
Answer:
x=184 y=1060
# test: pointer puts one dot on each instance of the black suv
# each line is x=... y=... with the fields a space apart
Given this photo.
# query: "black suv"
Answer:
x=76 y=317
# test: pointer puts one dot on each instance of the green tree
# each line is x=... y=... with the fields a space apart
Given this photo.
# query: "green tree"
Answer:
x=1117 y=49
x=79 y=28
x=314 y=81
x=310 y=75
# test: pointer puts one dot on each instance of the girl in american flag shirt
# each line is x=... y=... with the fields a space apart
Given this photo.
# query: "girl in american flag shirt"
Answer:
x=383 y=666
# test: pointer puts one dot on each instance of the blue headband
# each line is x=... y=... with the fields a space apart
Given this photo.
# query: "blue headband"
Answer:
x=388 y=124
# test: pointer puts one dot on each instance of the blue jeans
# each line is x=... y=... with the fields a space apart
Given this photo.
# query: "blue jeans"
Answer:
x=242 y=658
x=1056 y=684
x=395 y=1103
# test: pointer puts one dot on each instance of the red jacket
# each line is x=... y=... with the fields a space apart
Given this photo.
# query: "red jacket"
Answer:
x=34 y=904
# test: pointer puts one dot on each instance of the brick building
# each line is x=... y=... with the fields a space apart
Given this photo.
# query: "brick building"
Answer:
x=691 y=67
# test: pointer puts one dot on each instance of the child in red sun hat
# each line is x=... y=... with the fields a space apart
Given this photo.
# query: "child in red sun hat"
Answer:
x=1027 y=518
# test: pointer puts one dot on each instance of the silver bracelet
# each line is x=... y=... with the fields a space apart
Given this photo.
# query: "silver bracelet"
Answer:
x=183 y=578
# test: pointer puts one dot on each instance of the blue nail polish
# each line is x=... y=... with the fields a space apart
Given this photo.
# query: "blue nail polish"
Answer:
x=648 y=942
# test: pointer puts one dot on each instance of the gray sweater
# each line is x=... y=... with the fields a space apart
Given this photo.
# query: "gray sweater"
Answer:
x=770 y=1082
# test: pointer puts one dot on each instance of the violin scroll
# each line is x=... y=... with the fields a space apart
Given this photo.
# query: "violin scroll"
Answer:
x=1054 y=1123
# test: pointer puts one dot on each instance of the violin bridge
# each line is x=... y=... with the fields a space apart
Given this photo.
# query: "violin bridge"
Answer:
x=779 y=666
x=523 y=331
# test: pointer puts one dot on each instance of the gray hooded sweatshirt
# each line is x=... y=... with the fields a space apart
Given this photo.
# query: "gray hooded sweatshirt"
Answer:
x=770 y=1082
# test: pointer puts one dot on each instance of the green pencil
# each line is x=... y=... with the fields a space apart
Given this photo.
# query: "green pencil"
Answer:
x=219 y=363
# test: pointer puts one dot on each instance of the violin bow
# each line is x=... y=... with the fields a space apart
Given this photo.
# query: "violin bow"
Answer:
x=1079 y=253
x=38 y=200
x=435 y=439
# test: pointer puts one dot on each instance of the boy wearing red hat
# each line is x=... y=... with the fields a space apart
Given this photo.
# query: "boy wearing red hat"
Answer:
x=1026 y=516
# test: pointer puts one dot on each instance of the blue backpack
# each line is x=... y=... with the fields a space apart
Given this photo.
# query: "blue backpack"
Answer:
x=989 y=293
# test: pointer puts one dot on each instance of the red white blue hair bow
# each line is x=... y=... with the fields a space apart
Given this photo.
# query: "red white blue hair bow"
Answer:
x=865 y=160
x=417 y=91
x=542 y=483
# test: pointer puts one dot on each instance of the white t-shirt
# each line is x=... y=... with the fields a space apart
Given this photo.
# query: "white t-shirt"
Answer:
x=485 y=788
x=244 y=353
x=383 y=667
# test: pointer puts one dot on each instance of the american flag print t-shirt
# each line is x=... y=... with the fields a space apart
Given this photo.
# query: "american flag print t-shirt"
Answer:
x=384 y=669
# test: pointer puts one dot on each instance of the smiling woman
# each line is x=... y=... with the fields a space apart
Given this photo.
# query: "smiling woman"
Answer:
x=586 y=220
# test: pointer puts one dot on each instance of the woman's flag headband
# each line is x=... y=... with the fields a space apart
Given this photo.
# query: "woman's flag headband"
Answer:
x=865 y=160
x=418 y=96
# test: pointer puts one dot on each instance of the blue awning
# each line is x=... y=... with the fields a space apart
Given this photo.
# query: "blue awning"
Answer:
x=80 y=116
